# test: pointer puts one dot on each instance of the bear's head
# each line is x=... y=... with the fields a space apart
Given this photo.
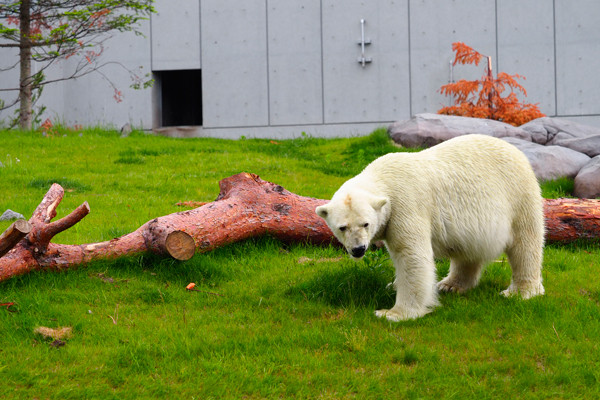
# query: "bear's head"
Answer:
x=355 y=219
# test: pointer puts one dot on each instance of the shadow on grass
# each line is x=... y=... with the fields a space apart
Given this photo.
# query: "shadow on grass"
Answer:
x=360 y=284
x=366 y=284
x=160 y=269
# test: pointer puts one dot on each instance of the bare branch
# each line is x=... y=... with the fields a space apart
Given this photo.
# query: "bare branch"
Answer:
x=9 y=68
x=9 y=105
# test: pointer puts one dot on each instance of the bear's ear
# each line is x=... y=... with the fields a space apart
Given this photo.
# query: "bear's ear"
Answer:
x=378 y=202
x=322 y=211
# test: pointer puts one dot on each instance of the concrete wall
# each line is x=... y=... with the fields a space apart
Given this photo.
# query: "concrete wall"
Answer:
x=279 y=68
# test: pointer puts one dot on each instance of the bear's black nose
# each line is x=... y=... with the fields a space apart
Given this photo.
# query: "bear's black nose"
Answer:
x=359 y=251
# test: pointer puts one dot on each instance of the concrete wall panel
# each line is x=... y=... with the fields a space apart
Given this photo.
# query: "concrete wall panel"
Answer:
x=295 y=81
x=93 y=99
x=434 y=26
x=379 y=90
x=577 y=57
x=234 y=39
x=175 y=35
x=9 y=79
x=526 y=47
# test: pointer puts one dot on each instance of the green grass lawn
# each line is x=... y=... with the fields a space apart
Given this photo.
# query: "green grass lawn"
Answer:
x=270 y=320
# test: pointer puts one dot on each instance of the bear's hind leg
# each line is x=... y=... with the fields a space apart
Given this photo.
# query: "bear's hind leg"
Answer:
x=462 y=276
x=526 y=264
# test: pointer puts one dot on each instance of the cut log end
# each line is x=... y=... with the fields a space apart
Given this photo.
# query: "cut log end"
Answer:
x=13 y=234
x=180 y=245
x=22 y=226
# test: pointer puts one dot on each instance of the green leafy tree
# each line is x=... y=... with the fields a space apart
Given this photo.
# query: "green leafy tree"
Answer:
x=45 y=31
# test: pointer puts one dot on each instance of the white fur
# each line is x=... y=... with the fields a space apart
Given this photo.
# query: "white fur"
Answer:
x=470 y=199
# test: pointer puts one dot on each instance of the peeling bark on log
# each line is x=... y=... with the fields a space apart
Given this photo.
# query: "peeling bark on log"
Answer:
x=570 y=220
x=246 y=207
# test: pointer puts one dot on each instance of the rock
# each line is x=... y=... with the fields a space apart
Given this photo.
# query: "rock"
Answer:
x=587 y=181
x=559 y=132
x=555 y=147
x=589 y=145
x=536 y=129
x=10 y=215
x=551 y=162
x=126 y=130
x=426 y=130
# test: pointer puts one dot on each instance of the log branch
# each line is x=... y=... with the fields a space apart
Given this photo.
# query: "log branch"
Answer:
x=246 y=207
x=46 y=210
x=65 y=223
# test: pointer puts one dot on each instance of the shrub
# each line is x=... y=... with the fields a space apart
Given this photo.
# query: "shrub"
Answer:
x=483 y=98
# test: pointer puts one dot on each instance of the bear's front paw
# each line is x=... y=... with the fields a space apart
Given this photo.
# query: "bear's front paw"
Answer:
x=390 y=315
x=396 y=315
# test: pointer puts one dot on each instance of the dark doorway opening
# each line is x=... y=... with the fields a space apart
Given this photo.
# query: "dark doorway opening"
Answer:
x=180 y=97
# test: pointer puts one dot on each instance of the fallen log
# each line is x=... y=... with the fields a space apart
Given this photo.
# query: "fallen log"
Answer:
x=246 y=207
x=571 y=220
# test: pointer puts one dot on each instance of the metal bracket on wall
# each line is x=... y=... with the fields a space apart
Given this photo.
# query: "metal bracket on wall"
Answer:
x=363 y=42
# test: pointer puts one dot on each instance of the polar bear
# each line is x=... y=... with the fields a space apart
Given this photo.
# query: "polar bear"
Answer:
x=468 y=199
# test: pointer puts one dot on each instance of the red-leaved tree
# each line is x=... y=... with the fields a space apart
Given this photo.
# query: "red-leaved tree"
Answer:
x=486 y=97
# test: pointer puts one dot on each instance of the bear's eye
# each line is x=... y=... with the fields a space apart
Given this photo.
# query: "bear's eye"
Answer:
x=342 y=228
x=365 y=225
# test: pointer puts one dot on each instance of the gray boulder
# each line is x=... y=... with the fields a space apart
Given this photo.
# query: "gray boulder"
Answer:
x=559 y=132
x=551 y=162
x=10 y=215
x=587 y=181
x=537 y=130
x=589 y=145
x=426 y=130
x=126 y=130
